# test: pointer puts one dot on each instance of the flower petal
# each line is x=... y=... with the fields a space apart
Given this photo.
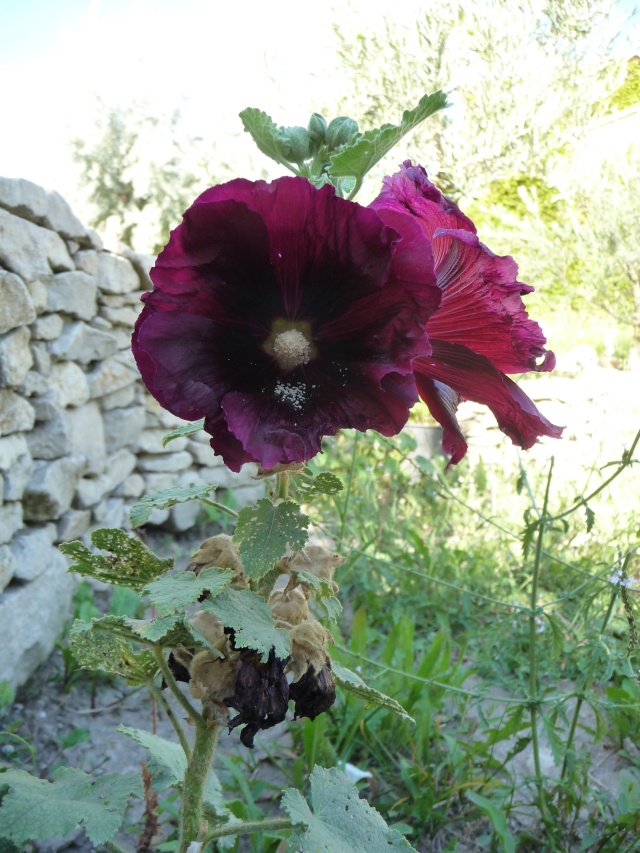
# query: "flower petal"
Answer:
x=481 y=306
x=475 y=378
x=442 y=401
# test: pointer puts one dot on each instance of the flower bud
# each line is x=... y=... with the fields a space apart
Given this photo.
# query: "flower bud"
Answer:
x=317 y=128
x=297 y=144
x=341 y=131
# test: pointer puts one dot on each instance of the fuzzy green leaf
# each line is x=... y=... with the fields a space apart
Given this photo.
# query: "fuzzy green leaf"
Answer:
x=359 y=157
x=35 y=809
x=352 y=683
x=251 y=620
x=132 y=564
x=174 y=592
x=140 y=512
x=337 y=819
x=323 y=592
x=98 y=645
x=186 y=429
x=154 y=630
x=266 y=134
x=322 y=484
x=263 y=533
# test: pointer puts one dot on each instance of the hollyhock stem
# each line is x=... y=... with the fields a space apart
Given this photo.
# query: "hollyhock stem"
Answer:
x=282 y=485
x=248 y=828
x=193 y=715
x=191 y=818
x=162 y=702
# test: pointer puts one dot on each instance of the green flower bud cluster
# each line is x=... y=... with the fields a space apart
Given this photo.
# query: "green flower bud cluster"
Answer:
x=316 y=142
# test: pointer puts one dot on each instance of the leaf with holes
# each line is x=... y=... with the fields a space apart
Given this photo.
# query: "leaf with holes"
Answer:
x=186 y=429
x=337 y=819
x=130 y=564
x=174 y=592
x=263 y=533
x=98 y=645
x=36 y=810
x=251 y=620
x=352 y=683
x=141 y=511
x=322 y=484
x=322 y=590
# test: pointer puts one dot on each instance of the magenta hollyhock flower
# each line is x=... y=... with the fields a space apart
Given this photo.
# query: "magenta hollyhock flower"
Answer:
x=481 y=330
x=281 y=313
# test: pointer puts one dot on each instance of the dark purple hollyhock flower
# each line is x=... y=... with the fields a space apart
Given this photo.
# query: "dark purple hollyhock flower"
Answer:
x=281 y=313
x=481 y=330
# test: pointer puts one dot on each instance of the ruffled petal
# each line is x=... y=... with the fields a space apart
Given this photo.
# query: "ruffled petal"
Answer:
x=481 y=306
x=474 y=377
x=442 y=401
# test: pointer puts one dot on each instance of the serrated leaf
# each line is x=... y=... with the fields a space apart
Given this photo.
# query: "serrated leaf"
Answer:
x=263 y=533
x=323 y=484
x=95 y=645
x=186 y=429
x=323 y=592
x=352 y=683
x=168 y=762
x=357 y=159
x=36 y=810
x=141 y=511
x=265 y=133
x=132 y=565
x=174 y=592
x=154 y=630
x=337 y=820
x=251 y=620
x=497 y=819
x=590 y=516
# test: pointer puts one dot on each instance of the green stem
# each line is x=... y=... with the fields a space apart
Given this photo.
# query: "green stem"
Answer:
x=162 y=702
x=282 y=485
x=219 y=506
x=173 y=686
x=533 y=657
x=191 y=818
x=112 y=847
x=248 y=828
x=352 y=469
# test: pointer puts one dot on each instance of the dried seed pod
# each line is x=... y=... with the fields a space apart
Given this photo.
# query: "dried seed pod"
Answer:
x=221 y=552
x=309 y=642
x=211 y=629
x=289 y=607
x=315 y=559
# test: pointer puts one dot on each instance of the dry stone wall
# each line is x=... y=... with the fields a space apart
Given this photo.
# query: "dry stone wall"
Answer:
x=80 y=439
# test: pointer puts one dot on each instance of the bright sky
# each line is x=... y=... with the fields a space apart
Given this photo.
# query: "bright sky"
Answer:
x=214 y=58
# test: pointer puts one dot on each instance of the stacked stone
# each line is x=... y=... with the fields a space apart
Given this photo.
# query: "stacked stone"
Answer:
x=80 y=439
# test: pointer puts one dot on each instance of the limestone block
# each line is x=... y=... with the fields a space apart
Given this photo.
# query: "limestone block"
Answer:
x=29 y=250
x=156 y=482
x=123 y=427
x=72 y=292
x=150 y=441
x=16 y=414
x=131 y=487
x=158 y=516
x=72 y=247
x=6 y=567
x=111 y=513
x=142 y=264
x=114 y=373
x=41 y=358
x=70 y=383
x=219 y=476
x=168 y=462
x=31 y=549
x=1 y=489
x=38 y=293
x=101 y=323
x=204 y=438
x=85 y=434
x=10 y=521
x=47 y=327
x=17 y=477
x=32 y=617
x=45 y=207
x=16 y=304
x=15 y=356
x=123 y=336
x=123 y=316
x=51 y=488
x=92 y=490
x=33 y=384
x=87 y=261
x=115 y=274
x=184 y=516
x=203 y=455
x=73 y=524
x=119 y=399
x=11 y=449
x=248 y=495
x=82 y=343
x=50 y=439
x=45 y=406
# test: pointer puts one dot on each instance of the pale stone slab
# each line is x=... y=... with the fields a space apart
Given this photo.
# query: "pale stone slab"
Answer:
x=115 y=274
x=16 y=414
x=73 y=293
x=70 y=383
x=31 y=549
x=10 y=521
x=112 y=374
x=47 y=327
x=16 y=304
x=123 y=316
x=52 y=487
x=73 y=524
x=82 y=343
x=11 y=449
x=168 y=462
x=6 y=567
x=119 y=399
x=17 y=477
x=131 y=487
x=150 y=441
x=33 y=384
x=87 y=261
x=203 y=454
x=85 y=433
x=123 y=427
x=142 y=264
x=32 y=617
x=15 y=356
x=41 y=357
x=29 y=250
x=91 y=491
x=45 y=406
x=45 y=207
